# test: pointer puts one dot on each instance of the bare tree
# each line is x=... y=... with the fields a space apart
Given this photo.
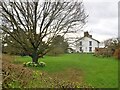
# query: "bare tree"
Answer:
x=33 y=25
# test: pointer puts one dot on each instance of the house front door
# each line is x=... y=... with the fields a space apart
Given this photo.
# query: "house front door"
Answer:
x=85 y=49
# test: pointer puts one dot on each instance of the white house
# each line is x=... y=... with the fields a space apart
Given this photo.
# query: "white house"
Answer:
x=87 y=44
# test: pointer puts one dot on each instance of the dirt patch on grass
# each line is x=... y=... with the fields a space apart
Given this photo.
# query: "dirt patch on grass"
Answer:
x=72 y=75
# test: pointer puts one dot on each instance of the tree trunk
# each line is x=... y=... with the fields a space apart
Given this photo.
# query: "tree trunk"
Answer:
x=35 y=57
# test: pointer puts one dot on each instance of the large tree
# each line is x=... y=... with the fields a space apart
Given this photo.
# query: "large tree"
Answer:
x=59 y=46
x=112 y=43
x=33 y=25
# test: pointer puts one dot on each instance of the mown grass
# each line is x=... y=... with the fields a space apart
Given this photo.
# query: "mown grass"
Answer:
x=96 y=71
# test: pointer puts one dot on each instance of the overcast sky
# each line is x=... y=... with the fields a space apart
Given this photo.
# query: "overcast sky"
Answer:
x=103 y=18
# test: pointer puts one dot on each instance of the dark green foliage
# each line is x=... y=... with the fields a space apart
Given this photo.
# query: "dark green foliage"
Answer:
x=60 y=46
x=56 y=51
x=10 y=46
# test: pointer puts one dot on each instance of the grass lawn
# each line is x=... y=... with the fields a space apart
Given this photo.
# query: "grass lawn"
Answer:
x=96 y=71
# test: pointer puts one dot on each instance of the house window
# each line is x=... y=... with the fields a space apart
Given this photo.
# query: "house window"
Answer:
x=81 y=43
x=90 y=49
x=80 y=48
x=90 y=43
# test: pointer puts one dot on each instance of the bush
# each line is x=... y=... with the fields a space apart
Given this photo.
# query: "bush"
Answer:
x=15 y=76
x=117 y=53
x=42 y=64
x=56 y=51
x=32 y=64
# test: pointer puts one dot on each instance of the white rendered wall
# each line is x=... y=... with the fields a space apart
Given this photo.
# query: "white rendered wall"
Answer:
x=85 y=45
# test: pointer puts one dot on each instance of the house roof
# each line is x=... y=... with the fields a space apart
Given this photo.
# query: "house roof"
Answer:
x=88 y=37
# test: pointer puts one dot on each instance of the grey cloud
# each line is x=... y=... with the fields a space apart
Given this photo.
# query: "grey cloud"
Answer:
x=103 y=19
x=101 y=10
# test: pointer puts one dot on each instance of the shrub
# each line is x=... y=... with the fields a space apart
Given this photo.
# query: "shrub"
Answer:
x=56 y=51
x=42 y=64
x=117 y=53
x=15 y=76
x=32 y=64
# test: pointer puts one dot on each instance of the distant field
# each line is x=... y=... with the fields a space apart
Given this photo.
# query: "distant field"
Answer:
x=96 y=71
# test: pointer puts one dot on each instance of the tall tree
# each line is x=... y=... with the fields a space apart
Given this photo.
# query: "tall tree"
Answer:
x=112 y=43
x=33 y=25
x=60 y=46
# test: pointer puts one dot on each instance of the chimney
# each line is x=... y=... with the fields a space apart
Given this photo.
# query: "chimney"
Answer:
x=90 y=36
x=86 y=34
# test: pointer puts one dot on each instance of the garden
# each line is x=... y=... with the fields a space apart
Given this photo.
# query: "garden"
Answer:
x=63 y=71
